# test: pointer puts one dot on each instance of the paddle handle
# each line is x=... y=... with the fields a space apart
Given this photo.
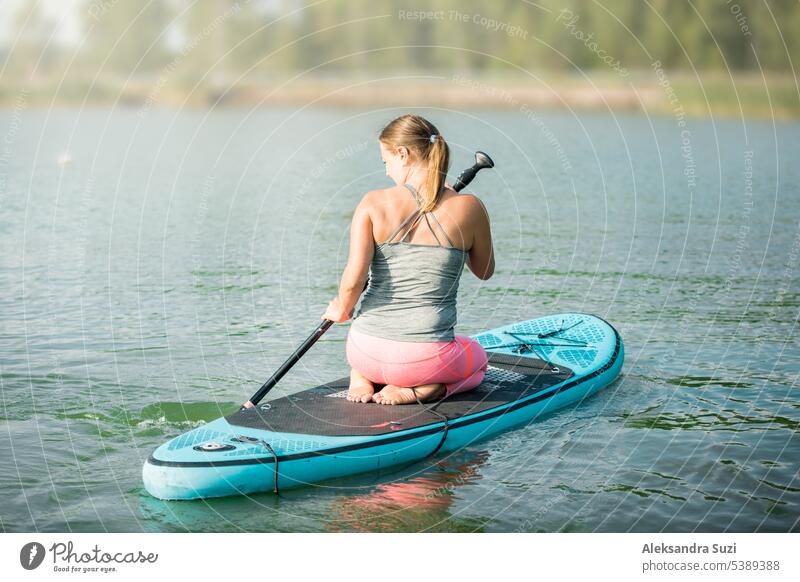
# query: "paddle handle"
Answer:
x=481 y=161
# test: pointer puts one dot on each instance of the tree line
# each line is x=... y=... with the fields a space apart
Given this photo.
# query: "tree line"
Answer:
x=135 y=37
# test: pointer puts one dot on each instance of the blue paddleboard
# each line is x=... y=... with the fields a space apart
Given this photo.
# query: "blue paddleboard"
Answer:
x=535 y=367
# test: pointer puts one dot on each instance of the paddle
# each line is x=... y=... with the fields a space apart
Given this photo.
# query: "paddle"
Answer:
x=482 y=161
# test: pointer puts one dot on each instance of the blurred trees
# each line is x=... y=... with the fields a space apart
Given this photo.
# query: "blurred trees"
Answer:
x=140 y=37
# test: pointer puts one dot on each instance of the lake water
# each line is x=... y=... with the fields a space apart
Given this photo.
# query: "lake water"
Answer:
x=154 y=282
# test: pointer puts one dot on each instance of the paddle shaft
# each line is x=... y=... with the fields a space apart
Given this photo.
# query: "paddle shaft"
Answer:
x=481 y=161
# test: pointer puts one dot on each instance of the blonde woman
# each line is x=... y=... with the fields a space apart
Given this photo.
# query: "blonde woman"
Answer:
x=415 y=239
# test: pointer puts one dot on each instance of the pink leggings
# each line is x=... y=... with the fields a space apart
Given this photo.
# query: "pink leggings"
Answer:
x=460 y=364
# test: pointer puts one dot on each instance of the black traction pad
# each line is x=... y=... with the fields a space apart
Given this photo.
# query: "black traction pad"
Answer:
x=324 y=410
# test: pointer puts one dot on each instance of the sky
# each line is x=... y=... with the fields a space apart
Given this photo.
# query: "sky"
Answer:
x=65 y=12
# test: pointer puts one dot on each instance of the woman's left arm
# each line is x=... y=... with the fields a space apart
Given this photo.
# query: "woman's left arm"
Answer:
x=362 y=247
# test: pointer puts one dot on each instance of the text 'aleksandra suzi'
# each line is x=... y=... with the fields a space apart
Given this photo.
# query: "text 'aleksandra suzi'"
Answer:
x=662 y=548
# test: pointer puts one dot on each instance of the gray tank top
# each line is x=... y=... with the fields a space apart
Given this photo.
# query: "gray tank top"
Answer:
x=412 y=287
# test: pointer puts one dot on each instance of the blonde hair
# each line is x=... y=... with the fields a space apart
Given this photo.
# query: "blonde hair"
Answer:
x=421 y=137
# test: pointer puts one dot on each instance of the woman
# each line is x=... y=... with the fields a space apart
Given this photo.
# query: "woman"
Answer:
x=415 y=238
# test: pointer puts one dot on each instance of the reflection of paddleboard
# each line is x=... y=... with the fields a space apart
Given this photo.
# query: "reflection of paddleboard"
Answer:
x=535 y=367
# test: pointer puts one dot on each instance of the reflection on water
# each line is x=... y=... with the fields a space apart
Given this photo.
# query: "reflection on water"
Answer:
x=420 y=503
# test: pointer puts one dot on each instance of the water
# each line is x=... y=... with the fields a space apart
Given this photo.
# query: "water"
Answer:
x=153 y=283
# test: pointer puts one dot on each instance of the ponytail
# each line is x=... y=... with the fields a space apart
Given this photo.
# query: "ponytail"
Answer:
x=438 y=164
x=419 y=135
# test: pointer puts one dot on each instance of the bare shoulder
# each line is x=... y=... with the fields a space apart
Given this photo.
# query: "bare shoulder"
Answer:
x=368 y=198
x=369 y=202
x=378 y=202
x=472 y=205
x=470 y=199
x=376 y=198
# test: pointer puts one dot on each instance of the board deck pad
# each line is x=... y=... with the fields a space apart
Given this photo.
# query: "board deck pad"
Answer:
x=324 y=410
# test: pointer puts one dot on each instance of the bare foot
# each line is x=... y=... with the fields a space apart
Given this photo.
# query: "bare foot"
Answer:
x=361 y=389
x=397 y=395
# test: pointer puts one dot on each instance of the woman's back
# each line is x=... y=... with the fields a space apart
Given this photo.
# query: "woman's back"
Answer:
x=463 y=218
x=393 y=205
x=418 y=260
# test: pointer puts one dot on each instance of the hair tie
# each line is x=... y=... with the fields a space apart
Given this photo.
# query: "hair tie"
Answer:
x=433 y=138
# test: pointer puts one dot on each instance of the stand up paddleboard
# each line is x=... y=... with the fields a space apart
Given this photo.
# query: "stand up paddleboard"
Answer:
x=535 y=367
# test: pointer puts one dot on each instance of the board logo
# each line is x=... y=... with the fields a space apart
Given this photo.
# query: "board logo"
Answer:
x=31 y=555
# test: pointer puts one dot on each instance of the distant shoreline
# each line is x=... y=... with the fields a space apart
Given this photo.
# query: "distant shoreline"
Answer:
x=713 y=94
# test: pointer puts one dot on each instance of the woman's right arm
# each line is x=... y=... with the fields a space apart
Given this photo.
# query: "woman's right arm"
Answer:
x=480 y=258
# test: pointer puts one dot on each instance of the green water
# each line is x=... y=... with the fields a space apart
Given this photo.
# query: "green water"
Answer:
x=152 y=284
